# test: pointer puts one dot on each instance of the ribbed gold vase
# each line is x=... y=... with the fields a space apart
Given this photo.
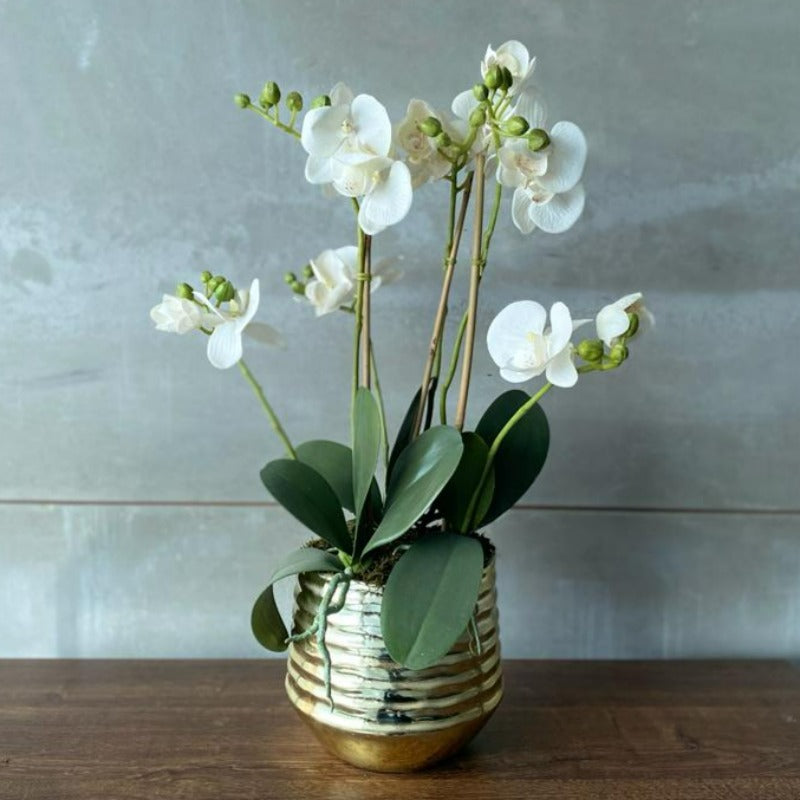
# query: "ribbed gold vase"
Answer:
x=386 y=717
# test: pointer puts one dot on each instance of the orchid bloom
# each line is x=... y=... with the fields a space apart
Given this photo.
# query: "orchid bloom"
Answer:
x=334 y=282
x=523 y=346
x=612 y=320
x=225 y=343
x=348 y=145
x=423 y=159
x=180 y=315
x=547 y=189
x=515 y=57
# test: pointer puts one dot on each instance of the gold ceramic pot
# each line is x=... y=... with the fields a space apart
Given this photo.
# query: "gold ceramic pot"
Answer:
x=386 y=717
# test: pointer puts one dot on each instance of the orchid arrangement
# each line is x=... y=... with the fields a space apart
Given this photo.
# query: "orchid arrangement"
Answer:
x=415 y=508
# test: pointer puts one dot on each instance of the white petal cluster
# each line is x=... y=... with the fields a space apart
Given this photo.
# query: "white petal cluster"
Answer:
x=349 y=147
x=612 y=320
x=422 y=156
x=515 y=57
x=179 y=315
x=547 y=189
x=334 y=283
x=524 y=346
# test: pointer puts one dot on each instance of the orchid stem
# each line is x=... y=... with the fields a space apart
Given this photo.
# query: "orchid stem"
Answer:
x=270 y=412
x=366 y=342
x=474 y=282
x=381 y=408
x=451 y=371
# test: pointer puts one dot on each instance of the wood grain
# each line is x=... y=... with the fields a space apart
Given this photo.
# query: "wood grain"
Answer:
x=76 y=730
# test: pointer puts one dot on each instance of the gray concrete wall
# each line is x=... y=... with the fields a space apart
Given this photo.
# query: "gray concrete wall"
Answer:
x=131 y=517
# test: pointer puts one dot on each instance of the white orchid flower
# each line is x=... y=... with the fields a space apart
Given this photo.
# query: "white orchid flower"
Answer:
x=547 y=189
x=334 y=283
x=523 y=346
x=515 y=57
x=423 y=159
x=612 y=320
x=225 y=343
x=180 y=315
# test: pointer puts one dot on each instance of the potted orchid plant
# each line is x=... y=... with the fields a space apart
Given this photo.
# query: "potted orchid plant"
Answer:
x=395 y=624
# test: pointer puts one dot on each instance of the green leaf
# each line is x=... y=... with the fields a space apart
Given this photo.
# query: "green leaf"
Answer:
x=521 y=456
x=367 y=441
x=455 y=498
x=334 y=462
x=420 y=473
x=309 y=498
x=265 y=620
x=430 y=597
x=404 y=434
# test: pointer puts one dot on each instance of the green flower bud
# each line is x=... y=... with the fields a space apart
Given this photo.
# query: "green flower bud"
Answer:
x=294 y=101
x=634 y=325
x=270 y=95
x=242 y=100
x=590 y=349
x=477 y=117
x=205 y=276
x=618 y=354
x=224 y=291
x=494 y=77
x=289 y=278
x=308 y=272
x=184 y=291
x=430 y=126
x=481 y=92
x=443 y=140
x=321 y=101
x=516 y=126
x=297 y=287
x=508 y=78
x=537 y=139
x=214 y=282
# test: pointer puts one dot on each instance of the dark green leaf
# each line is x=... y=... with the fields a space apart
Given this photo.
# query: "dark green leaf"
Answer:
x=308 y=497
x=421 y=472
x=334 y=462
x=404 y=434
x=367 y=440
x=265 y=620
x=456 y=496
x=430 y=597
x=522 y=454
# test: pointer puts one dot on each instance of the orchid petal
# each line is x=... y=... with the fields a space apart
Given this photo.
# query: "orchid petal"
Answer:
x=225 y=345
x=322 y=133
x=566 y=158
x=509 y=331
x=319 y=169
x=531 y=106
x=253 y=299
x=464 y=104
x=560 y=213
x=264 y=334
x=388 y=202
x=517 y=376
x=521 y=210
x=341 y=94
x=560 y=328
x=612 y=321
x=561 y=369
x=372 y=125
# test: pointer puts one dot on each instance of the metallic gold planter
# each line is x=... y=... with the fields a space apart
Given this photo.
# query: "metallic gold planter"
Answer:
x=386 y=717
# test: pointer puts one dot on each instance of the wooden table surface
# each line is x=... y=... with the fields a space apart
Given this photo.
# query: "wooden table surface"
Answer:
x=224 y=729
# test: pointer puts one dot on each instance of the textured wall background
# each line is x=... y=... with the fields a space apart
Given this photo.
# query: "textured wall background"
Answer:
x=132 y=520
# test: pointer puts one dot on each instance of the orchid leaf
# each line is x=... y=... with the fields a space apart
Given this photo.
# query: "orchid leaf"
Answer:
x=404 y=434
x=309 y=498
x=522 y=454
x=420 y=473
x=367 y=441
x=334 y=462
x=454 y=501
x=265 y=619
x=430 y=597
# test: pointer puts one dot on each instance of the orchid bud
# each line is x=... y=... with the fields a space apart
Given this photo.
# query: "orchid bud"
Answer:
x=270 y=95
x=618 y=354
x=289 y=278
x=214 y=282
x=516 y=126
x=297 y=287
x=294 y=102
x=184 y=291
x=634 y=325
x=242 y=100
x=443 y=140
x=480 y=91
x=224 y=291
x=590 y=349
x=508 y=78
x=537 y=139
x=477 y=117
x=431 y=127
x=494 y=77
x=308 y=272
x=320 y=101
x=205 y=276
